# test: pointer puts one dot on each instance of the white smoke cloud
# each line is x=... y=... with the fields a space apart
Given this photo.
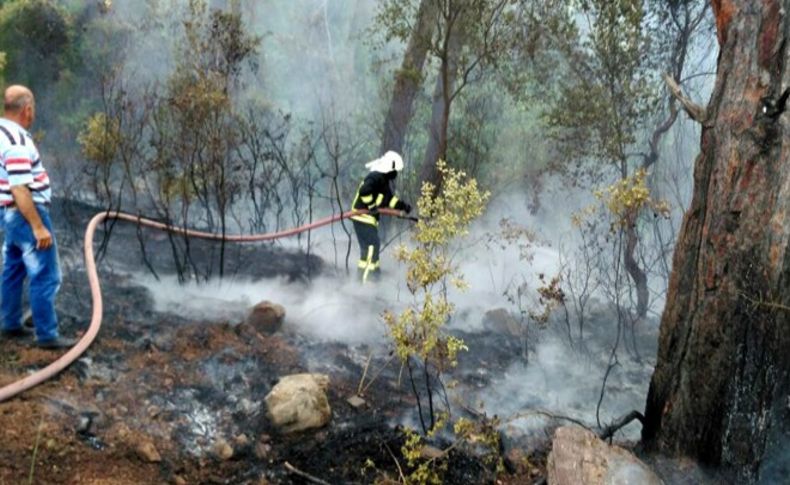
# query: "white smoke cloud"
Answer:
x=337 y=308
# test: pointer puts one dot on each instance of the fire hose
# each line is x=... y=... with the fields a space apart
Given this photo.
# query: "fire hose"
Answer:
x=87 y=339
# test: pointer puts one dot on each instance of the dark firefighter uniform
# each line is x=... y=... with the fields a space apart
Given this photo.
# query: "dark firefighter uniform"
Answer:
x=374 y=192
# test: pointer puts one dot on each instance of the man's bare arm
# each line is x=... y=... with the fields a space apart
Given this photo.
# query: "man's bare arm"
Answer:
x=24 y=202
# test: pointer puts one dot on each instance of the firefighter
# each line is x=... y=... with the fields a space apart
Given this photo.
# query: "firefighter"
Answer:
x=375 y=192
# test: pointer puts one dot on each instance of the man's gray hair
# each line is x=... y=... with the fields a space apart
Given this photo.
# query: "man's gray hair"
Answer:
x=16 y=103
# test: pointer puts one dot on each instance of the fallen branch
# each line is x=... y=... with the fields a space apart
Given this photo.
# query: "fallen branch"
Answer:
x=695 y=111
x=376 y=376
x=364 y=374
x=304 y=475
x=397 y=463
x=547 y=414
x=609 y=431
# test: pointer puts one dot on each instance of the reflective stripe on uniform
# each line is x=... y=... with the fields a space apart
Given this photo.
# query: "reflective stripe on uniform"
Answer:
x=368 y=264
x=362 y=264
x=379 y=199
x=367 y=199
x=365 y=219
x=393 y=202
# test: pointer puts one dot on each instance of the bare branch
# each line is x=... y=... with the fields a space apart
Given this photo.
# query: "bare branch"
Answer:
x=695 y=111
x=304 y=475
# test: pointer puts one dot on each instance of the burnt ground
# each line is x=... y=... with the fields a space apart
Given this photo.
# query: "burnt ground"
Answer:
x=161 y=399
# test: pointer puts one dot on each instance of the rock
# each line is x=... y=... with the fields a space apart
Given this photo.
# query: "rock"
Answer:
x=356 y=402
x=245 y=406
x=179 y=480
x=262 y=450
x=500 y=320
x=147 y=451
x=84 y=423
x=222 y=450
x=266 y=317
x=298 y=402
x=517 y=461
x=241 y=441
x=578 y=456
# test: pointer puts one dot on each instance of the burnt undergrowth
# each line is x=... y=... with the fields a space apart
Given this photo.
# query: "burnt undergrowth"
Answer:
x=185 y=385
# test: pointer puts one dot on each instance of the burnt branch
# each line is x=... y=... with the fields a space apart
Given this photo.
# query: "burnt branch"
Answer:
x=609 y=431
x=695 y=111
x=774 y=109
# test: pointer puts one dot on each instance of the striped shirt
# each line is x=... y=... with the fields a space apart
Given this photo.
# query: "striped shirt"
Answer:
x=20 y=164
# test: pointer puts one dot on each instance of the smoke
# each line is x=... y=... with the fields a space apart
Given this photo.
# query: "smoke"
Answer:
x=328 y=308
x=336 y=308
x=314 y=54
x=316 y=57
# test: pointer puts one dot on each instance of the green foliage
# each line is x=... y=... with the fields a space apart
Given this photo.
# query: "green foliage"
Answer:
x=627 y=198
x=622 y=203
x=394 y=19
x=424 y=471
x=2 y=72
x=480 y=437
x=445 y=217
x=37 y=37
x=607 y=85
x=100 y=139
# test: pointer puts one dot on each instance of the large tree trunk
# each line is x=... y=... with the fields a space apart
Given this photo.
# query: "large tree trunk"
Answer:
x=720 y=388
x=408 y=79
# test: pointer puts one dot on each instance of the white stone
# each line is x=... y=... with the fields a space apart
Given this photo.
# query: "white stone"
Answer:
x=579 y=457
x=298 y=402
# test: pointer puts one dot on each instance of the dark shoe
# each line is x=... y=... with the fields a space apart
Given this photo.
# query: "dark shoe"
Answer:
x=16 y=332
x=58 y=343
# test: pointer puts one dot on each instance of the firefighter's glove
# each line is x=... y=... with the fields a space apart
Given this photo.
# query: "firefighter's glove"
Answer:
x=406 y=208
x=373 y=211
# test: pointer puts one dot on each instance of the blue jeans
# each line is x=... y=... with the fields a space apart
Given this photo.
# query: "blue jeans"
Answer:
x=20 y=259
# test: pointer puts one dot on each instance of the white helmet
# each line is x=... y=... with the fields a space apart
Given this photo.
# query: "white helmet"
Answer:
x=390 y=161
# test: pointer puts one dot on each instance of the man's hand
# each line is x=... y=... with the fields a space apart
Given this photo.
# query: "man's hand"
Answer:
x=43 y=237
x=24 y=202
x=406 y=207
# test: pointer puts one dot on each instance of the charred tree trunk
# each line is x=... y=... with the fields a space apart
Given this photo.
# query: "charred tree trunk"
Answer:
x=408 y=79
x=720 y=388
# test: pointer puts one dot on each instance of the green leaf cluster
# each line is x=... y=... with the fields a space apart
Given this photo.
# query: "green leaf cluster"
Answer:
x=445 y=216
x=100 y=139
x=37 y=38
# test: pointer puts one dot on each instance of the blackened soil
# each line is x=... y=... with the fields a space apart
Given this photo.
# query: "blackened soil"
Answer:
x=157 y=396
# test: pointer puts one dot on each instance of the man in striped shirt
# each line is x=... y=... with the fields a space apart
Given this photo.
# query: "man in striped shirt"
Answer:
x=29 y=248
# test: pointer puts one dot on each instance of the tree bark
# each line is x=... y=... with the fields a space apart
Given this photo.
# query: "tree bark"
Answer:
x=719 y=392
x=408 y=79
x=636 y=273
x=438 y=129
